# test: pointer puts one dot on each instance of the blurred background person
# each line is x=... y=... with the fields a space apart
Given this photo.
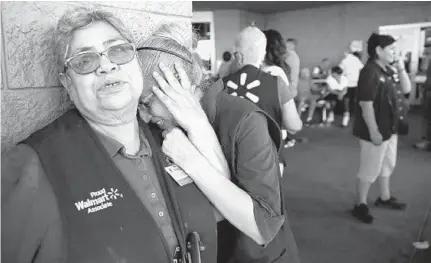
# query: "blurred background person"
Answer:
x=351 y=66
x=322 y=70
x=336 y=89
x=292 y=60
x=223 y=70
x=275 y=64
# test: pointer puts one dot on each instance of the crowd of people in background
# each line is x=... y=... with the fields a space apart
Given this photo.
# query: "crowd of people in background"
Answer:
x=376 y=91
x=329 y=86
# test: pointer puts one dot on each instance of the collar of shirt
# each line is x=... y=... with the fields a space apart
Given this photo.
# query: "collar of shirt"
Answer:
x=113 y=147
x=209 y=100
x=387 y=70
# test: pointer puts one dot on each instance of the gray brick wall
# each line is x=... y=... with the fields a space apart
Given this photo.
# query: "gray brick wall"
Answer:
x=31 y=95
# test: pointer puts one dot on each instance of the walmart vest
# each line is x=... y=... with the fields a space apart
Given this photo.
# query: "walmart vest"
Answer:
x=234 y=246
x=103 y=219
x=258 y=87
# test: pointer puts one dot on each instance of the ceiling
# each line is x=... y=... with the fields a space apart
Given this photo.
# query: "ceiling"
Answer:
x=260 y=6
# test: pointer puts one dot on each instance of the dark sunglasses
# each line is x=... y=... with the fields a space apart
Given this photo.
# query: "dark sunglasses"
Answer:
x=87 y=62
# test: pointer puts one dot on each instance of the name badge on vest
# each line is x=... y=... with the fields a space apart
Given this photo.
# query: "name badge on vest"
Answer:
x=177 y=173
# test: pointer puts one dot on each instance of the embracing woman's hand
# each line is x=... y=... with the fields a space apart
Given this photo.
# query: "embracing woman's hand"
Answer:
x=179 y=98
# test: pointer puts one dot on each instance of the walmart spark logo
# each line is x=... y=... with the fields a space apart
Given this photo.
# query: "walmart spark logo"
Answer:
x=113 y=194
x=242 y=89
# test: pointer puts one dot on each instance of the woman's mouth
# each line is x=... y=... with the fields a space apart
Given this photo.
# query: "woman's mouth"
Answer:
x=110 y=86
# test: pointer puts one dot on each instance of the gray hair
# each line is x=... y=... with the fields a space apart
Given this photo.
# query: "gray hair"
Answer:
x=176 y=45
x=251 y=43
x=77 y=18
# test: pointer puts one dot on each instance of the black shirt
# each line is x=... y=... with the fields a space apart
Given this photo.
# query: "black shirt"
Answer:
x=382 y=87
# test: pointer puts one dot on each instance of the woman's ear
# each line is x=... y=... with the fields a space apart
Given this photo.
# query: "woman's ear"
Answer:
x=379 y=51
x=65 y=81
x=67 y=84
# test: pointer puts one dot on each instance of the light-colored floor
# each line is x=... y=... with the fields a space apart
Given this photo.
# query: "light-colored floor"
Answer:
x=320 y=190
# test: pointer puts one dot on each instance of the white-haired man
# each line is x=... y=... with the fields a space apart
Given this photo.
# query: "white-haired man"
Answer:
x=92 y=186
x=271 y=93
x=268 y=92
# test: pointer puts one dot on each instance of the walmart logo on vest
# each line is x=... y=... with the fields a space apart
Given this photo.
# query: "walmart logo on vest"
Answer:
x=99 y=200
x=242 y=89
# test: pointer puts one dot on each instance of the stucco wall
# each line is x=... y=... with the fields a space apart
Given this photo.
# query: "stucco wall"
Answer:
x=31 y=96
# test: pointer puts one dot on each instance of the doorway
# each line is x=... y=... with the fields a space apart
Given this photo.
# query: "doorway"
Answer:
x=203 y=24
x=411 y=39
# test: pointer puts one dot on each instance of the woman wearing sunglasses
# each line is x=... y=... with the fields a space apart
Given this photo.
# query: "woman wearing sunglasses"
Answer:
x=241 y=178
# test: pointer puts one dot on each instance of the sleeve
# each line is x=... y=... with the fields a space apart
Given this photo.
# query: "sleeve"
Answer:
x=31 y=227
x=258 y=174
x=285 y=91
x=331 y=82
x=343 y=65
x=368 y=84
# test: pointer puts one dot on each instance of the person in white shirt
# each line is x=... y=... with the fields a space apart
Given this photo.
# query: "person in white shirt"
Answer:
x=351 y=66
x=336 y=89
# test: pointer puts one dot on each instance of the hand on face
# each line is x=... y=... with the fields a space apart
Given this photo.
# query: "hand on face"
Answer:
x=178 y=147
x=179 y=98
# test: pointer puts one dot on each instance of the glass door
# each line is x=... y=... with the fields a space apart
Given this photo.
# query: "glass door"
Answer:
x=410 y=42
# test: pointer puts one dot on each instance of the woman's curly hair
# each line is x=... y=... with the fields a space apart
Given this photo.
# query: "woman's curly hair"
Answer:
x=275 y=50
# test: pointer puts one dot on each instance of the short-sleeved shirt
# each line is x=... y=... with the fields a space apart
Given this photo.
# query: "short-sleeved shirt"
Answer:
x=285 y=90
x=351 y=66
x=257 y=165
x=334 y=85
x=382 y=87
